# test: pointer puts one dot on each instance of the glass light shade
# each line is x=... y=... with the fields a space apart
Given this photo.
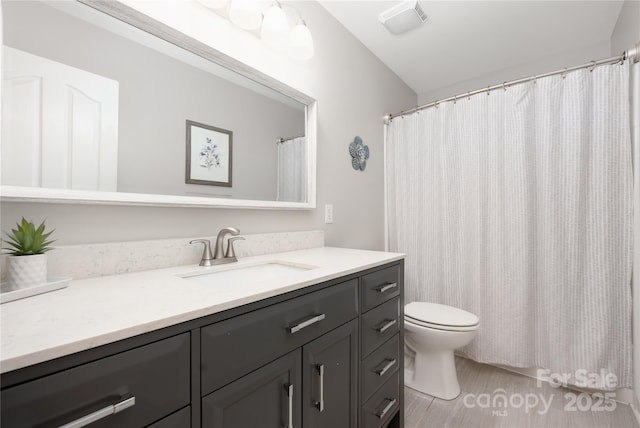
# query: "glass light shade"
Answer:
x=300 y=42
x=275 y=28
x=245 y=14
x=214 y=4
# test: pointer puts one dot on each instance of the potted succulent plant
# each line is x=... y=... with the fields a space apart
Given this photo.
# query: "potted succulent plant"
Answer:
x=27 y=262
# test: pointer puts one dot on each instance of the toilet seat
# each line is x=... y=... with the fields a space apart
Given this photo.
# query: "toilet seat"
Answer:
x=440 y=317
x=409 y=320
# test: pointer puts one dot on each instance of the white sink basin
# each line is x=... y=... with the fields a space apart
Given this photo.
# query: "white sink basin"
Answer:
x=246 y=273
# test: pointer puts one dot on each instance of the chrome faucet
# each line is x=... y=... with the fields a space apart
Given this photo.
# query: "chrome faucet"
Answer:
x=219 y=255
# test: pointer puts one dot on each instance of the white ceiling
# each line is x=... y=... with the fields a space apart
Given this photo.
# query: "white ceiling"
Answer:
x=465 y=39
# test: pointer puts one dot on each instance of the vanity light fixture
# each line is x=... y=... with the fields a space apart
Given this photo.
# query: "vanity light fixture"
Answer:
x=273 y=23
x=301 y=42
x=275 y=27
x=246 y=14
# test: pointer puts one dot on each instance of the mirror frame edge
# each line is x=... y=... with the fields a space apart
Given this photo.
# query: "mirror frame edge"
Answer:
x=125 y=13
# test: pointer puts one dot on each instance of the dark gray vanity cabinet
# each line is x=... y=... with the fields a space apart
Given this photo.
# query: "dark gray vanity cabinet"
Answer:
x=319 y=333
x=130 y=389
x=325 y=356
x=315 y=384
x=381 y=340
x=268 y=397
x=330 y=365
x=257 y=337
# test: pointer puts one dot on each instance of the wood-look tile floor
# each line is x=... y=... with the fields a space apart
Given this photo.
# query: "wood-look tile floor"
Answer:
x=476 y=407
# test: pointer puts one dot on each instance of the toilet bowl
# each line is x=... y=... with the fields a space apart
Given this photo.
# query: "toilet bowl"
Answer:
x=432 y=333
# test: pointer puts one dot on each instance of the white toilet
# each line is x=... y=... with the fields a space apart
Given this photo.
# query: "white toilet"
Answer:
x=432 y=332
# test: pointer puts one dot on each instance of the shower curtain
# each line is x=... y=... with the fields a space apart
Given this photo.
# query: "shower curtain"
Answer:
x=292 y=170
x=517 y=206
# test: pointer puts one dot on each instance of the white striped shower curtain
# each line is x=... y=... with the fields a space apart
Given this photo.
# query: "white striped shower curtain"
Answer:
x=517 y=206
x=292 y=170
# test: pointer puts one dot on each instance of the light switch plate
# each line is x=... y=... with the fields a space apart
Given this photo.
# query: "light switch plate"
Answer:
x=328 y=213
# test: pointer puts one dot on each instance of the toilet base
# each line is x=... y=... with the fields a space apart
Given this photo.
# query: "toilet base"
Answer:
x=434 y=373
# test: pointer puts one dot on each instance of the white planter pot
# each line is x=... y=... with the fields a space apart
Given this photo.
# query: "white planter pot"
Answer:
x=26 y=271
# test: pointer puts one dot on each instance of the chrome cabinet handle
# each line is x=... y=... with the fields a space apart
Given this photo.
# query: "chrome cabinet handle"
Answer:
x=102 y=413
x=382 y=371
x=392 y=402
x=386 y=326
x=388 y=286
x=320 y=370
x=289 y=388
x=306 y=323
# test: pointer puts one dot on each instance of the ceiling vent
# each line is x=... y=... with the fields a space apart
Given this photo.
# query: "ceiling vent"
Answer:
x=403 y=17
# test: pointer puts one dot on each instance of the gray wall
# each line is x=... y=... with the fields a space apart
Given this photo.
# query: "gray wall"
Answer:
x=544 y=65
x=153 y=108
x=627 y=31
x=354 y=90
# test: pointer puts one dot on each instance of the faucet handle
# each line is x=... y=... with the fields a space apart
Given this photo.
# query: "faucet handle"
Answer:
x=230 y=251
x=206 y=254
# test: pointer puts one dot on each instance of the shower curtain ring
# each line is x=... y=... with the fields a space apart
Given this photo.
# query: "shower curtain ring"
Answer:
x=593 y=66
x=469 y=96
x=504 y=86
x=455 y=99
x=564 y=74
x=435 y=104
x=488 y=90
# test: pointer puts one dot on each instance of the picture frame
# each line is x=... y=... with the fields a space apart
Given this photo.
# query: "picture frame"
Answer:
x=209 y=159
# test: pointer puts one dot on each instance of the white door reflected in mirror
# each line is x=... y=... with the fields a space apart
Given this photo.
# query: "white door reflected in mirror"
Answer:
x=59 y=125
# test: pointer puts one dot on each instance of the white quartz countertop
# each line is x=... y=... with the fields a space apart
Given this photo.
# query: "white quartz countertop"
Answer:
x=97 y=311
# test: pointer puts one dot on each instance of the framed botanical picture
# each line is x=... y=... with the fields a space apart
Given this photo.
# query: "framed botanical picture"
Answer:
x=208 y=157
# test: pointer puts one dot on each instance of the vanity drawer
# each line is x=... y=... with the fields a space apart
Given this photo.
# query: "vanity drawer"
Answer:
x=232 y=348
x=378 y=410
x=380 y=286
x=148 y=383
x=379 y=325
x=380 y=366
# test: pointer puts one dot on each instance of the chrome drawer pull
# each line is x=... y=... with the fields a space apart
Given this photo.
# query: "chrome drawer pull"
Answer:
x=320 y=370
x=289 y=389
x=314 y=319
x=387 y=325
x=102 y=413
x=382 y=371
x=392 y=402
x=388 y=286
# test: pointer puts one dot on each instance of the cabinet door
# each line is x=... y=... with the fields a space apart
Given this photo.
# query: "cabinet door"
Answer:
x=329 y=378
x=265 y=398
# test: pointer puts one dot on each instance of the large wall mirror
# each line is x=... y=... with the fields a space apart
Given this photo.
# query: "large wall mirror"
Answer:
x=101 y=104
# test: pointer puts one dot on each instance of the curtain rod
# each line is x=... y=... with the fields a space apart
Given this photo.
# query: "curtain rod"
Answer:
x=282 y=140
x=633 y=53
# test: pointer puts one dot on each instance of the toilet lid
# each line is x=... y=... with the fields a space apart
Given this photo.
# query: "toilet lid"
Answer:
x=434 y=313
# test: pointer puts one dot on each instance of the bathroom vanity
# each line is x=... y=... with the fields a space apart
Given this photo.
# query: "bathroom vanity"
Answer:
x=319 y=348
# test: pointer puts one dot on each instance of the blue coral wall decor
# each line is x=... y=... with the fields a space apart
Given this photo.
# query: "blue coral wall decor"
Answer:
x=359 y=154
